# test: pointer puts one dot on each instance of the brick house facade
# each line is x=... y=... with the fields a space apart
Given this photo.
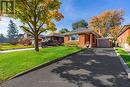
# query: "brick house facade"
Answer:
x=123 y=35
x=83 y=37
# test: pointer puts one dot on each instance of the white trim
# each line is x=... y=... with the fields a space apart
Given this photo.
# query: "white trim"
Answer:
x=73 y=40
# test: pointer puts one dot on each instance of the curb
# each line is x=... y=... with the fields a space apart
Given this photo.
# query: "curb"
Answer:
x=43 y=65
x=125 y=66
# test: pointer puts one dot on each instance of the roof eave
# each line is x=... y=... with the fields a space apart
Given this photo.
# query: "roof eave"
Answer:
x=125 y=26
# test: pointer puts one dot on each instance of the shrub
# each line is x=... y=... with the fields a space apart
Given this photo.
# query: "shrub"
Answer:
x=128 y=39
x=25 y=41
x=71 y=43
x=0 y=46
x=13 y=41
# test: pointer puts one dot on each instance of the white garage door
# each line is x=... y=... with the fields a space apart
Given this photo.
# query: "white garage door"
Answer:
x=103 y=43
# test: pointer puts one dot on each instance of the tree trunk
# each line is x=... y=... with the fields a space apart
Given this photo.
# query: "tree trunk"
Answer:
x=36 y=43
x=115 y=44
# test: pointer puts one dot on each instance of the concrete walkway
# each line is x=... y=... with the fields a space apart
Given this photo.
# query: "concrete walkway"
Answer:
x=99 y=67
x=128 y=50
x=8 y=51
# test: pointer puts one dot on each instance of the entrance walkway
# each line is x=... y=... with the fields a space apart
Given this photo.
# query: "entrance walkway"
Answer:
x=8 y=51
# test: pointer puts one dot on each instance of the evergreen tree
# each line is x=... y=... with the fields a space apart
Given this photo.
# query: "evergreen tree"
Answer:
x=12 y=32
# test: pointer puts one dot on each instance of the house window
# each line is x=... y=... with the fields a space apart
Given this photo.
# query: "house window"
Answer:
x=74 y=37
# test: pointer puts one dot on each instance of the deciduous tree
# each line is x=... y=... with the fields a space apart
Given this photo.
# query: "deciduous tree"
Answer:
x=114 y=32
x=37 y=16
x=63 y=30
x=106 y=20
x=80 y=24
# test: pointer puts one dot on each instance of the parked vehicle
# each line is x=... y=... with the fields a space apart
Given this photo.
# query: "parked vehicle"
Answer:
x=50 y=43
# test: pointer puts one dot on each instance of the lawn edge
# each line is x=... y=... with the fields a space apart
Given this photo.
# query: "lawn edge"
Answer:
x=16 y=50
x=125 y=66
x=126 y=50
x=43 y=65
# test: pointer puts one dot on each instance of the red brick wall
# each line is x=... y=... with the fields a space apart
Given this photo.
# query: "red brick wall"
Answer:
x=122 y=39
x=87 y=38
x=66 y=38
x=81 y=40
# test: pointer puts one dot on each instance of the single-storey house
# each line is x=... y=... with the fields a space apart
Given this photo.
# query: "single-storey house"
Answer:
x=40 y=39
x=83 y=37
x=55 y=36
x=123 y=35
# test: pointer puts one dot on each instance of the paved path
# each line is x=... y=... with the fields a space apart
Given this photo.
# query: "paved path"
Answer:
x=128 y=50
x=98 y=67
x=8 y=51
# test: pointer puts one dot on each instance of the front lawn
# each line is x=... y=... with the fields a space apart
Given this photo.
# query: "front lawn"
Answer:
x=124 y=55
x=7 y=46
x=17 y=62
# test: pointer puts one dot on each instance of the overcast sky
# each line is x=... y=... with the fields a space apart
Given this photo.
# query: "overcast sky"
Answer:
x=75 y=10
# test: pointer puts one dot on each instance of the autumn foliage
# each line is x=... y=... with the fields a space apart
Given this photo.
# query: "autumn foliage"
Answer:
x=37 y=16
x=107 y=20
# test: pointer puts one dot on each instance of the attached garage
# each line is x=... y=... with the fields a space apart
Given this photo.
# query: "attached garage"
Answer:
x=104 y=43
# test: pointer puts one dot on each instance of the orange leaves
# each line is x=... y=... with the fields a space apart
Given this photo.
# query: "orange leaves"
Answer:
x=106 y=20
x=114 y=31
x=38 y=14
x=56 y=15
x=50 y=25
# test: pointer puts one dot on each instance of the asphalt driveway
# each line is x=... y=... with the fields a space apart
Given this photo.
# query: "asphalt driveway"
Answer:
x=99 y=67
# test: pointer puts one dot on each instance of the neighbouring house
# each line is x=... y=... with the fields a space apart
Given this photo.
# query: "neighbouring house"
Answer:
x=123 y=35
x=54 y=37
x=40 y=39
x=83 y=37
x=27 y=39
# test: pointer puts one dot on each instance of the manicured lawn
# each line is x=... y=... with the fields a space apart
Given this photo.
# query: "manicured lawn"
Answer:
x=16 y=62
x=7 y=46
x=124 y=55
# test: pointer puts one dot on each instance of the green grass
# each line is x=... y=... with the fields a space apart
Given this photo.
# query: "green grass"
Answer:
x=17 y=62
x=124 y=55
x=7 y=46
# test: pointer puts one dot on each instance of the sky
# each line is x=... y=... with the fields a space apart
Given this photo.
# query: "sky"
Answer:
x=75 y=10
